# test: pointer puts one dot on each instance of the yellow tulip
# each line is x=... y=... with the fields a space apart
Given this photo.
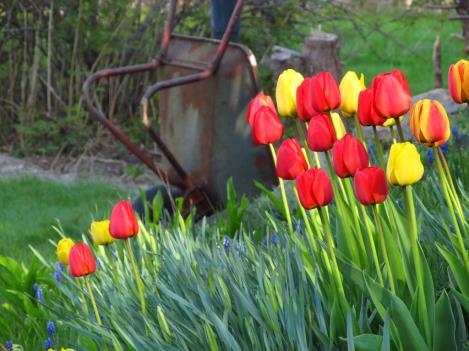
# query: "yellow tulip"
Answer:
x=350 y=87
x=404 y=166
x=338 y=125
x=285 y=92
x=100 y=233
x=63 y=250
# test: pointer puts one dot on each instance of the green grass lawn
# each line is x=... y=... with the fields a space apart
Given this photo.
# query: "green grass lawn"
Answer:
x=408 y=48
x=31 y=206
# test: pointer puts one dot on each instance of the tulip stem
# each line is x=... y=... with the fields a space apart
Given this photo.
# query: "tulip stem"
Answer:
x=451 y=184
x=399 y=129
x=282 y=190
x=412 y=229
x=307 y=224
x=379 y=147
x=379 y=228
x=358 y=127
x=331 y=249
x=393 y=134
x=446 y=194
x=80 y=288
x=138 y=280
x=358 y=231
x=372 y=245
x=93 y=301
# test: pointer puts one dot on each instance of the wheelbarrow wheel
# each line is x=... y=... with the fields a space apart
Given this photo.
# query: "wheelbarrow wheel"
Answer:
x=168 y=193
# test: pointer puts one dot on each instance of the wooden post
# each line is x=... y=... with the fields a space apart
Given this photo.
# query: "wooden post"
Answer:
x=437 y=63
x=321 y=53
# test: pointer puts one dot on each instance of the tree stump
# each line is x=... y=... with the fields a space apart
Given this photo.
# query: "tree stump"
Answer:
x=321 y=52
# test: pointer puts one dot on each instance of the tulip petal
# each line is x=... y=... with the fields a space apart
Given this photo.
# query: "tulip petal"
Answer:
x=408 y=167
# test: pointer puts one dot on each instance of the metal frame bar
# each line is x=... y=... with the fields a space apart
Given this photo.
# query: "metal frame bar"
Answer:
x=185 y=181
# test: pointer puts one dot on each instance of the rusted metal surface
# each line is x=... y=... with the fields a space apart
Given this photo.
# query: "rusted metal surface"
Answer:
x=203 y=123
x=204 y=136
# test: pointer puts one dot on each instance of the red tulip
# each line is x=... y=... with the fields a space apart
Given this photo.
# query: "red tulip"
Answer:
x=314 y=188
x=349 y=155
x=266 y=126
x=303 y=101
x=290 y=160
x=256 y=103
x=371 y=186
x=81 y=260
x=123 y=223
x=321 y=133
x=391 y=94
x=366 y=111
x=458 y=81
x=323 y=92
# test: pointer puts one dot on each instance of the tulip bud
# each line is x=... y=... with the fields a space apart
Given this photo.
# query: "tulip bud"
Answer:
x=349 y=155
x=338 y=125
x=324 y=92
x=285 y=92
x=81 y=260
x=391 y=94
x=63 y=250
x=370 y=185
x=304 y=109
x=429 y=123
x=350 y=87
x=256 y=103
x=100 y=232
x=404 y=166
x=367 y=115
x=314 y=188
x=458 y=81
x=321 y=133
x=290 y=160
x=266 y=126
x=123 y=223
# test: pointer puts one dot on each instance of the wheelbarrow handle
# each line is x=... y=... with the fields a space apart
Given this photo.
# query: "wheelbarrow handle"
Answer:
x=138 y=152
x=199 y=76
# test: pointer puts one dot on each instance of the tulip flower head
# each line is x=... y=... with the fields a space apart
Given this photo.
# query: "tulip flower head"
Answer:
x=429 y=123
x=314 y=188
x=304 y=109
x=100 y=232
x=371 y=186
x=321 y=133
x=404 y=165
x=367 y=115
x=82 y=261
x=350 y=87
x=285 y=92
x=291 y=161
x=266 y=126
x=458 y=81
x=260 y=100
x=391 y=94
x=123 y=223
x=63 y=250
x=323 y=92
x=349 y=155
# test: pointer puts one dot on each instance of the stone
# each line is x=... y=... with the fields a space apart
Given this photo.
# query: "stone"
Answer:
x=283 y=58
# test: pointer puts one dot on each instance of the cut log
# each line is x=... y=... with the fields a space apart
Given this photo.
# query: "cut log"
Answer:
x=321 y=52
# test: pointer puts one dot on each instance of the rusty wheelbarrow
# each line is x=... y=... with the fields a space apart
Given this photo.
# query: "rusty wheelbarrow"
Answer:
x=204 y=87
